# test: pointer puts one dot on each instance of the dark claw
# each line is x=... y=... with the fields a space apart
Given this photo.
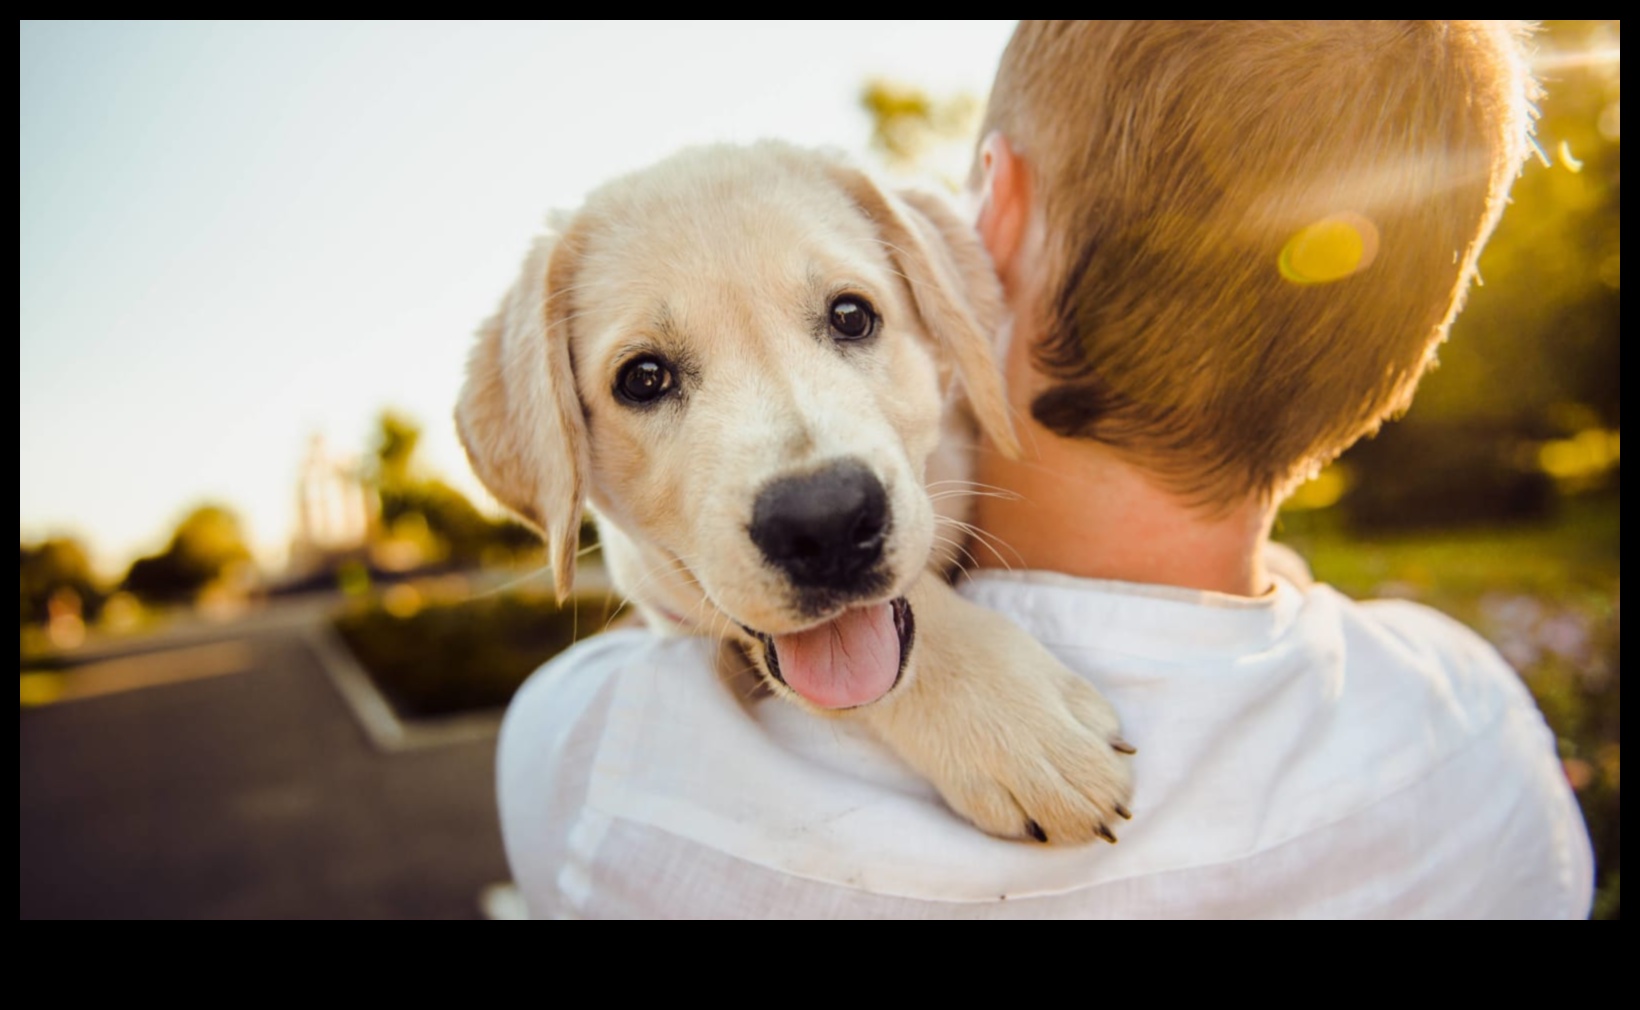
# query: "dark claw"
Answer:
x=1035 y=831
x=1105 y=833
x=1123 y=747
x=1124 y=813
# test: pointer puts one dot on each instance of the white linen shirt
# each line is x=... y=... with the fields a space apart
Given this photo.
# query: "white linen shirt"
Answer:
x=1300 y=755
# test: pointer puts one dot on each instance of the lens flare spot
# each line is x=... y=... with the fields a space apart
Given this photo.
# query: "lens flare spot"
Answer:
x=1329 y=249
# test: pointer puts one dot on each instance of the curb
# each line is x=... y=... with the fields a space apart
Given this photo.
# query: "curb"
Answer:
x=382 y=726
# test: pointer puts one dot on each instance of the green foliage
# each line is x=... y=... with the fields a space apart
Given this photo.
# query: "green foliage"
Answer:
x=1447 y=475
x=206 y=543
x=49 y=568
x=448 y=657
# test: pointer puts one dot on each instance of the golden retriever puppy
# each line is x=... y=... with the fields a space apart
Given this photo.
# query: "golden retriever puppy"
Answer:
x=753 y=364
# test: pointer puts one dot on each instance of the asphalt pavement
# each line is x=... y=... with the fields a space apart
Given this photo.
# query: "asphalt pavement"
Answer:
x=247 y=790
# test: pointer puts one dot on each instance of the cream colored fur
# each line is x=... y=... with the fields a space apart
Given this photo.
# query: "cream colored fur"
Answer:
x=723 y=259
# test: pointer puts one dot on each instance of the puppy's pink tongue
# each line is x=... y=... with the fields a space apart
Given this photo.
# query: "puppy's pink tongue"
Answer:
x=843 y=663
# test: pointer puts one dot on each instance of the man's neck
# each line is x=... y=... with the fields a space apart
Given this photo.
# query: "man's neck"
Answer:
x=1074 y=506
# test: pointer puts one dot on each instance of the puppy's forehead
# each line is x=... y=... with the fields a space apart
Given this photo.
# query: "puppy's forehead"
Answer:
x=753 y=226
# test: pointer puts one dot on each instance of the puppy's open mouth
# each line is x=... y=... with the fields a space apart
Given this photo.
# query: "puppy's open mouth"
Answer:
x=851 y=660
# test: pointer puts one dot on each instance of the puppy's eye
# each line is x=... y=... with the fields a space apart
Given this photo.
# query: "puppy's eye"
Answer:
x=852 y=318
x=644 y=380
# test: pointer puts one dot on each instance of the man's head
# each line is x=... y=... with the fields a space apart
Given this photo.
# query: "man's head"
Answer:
x=1237 y=244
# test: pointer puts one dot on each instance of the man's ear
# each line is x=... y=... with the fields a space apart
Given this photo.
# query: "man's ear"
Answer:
x=953 y=287
x=519 y=416
x=1004 y=207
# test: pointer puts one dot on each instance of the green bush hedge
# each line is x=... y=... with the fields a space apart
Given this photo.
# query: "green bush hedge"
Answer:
x=442 y=657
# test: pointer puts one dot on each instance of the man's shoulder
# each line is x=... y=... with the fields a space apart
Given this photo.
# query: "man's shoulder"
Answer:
x=1389 y=645
x=1423 y=629
x=1330 y=705
x=1456 y=665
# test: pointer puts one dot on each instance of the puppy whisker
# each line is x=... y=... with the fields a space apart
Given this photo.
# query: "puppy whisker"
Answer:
x=542 y=573
x=980 y=486
x=958 y=546
x=990 y=541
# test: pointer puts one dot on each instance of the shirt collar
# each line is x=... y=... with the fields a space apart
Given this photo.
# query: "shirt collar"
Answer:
x=1137 y=618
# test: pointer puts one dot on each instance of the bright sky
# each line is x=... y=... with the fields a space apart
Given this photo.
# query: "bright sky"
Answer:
x=233 y=236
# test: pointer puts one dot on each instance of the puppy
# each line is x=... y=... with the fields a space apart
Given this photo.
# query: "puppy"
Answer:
x=754 y=365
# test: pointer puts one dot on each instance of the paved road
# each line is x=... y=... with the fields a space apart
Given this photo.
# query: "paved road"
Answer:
x=249 y=794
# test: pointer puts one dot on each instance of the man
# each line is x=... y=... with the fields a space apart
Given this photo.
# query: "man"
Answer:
x=1229 y=250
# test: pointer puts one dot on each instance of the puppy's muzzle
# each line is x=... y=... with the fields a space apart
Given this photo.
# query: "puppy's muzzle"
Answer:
x=825 y=530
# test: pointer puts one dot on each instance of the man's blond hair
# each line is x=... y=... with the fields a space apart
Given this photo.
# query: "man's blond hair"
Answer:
x=1258 y=232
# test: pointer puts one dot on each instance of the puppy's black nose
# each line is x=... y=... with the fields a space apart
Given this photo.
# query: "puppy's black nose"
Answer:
x=825 y=530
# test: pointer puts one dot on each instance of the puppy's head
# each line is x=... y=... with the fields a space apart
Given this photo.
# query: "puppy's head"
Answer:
x=741 y=357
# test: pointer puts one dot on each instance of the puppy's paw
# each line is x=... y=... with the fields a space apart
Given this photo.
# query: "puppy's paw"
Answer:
x=1055 y=768
x=1013 y=741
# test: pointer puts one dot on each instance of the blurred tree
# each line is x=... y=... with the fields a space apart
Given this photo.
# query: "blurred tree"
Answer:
x=46 y=569
x=397 y=437
x=205 y=545
x=425 y=511
x=915 y=131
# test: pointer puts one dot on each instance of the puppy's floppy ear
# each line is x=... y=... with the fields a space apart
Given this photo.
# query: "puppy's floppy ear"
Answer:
x=519 y=416
x=953 y=285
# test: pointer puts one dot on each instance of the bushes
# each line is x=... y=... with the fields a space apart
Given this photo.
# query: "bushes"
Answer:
x=434 y=658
